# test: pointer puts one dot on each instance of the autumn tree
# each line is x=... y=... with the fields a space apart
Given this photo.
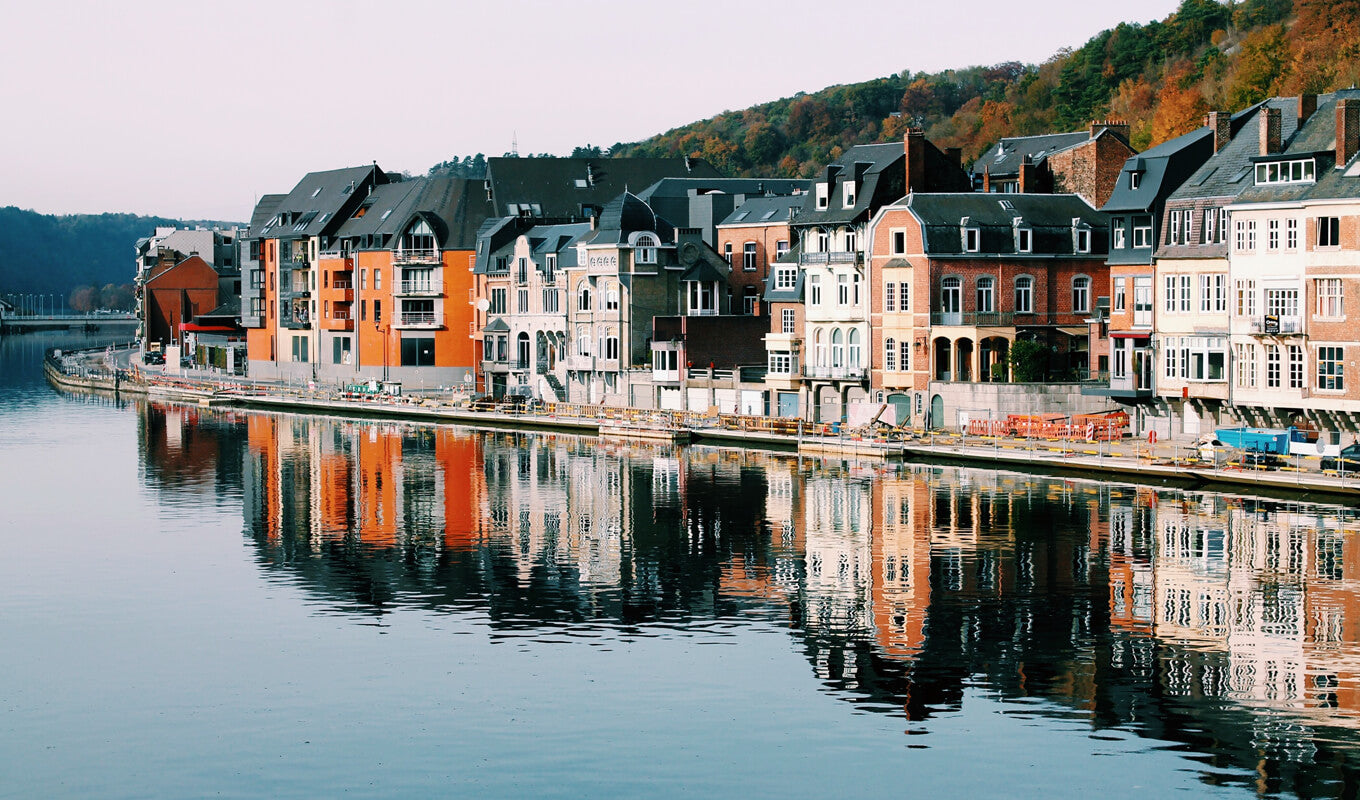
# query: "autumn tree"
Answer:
x=1180 y=107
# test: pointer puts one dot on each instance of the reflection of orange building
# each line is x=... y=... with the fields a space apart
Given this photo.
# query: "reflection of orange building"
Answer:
x=901 y=564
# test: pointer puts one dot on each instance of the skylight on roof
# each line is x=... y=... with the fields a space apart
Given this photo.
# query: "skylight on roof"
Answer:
x=743 y=215
x=387 y=213
x=1006 y=204
x=770 y=214
x=1244 y=172
x=316 y=191
x=1206 y=177
x=581 y=183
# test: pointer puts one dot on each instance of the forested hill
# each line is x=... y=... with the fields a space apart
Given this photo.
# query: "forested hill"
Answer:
x=1160 y=77
x=46 y=253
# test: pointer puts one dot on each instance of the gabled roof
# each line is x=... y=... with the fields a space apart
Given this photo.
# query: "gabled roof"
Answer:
x=1049 y=216
x=497 y=325
x=880 y=176
x=318 y=202
x=1316 y=139
x=1228 y=172
x=1004 y=159
x=559 y=187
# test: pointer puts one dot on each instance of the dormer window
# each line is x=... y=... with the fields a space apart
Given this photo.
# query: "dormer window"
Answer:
x=1024 y=240
x=644 y=249
x=972 y=236
x=823 y=196
x=848 y=192
x=1081 y=236
x=1296 y=171
x=1135 y=180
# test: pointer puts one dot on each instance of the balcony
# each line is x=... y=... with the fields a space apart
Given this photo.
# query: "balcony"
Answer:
x=421 y=288
x=983 y=319
x=416 y=256
x=836 y=373
x=420 y=319
x=809 y=259
x=581 y=363
x=1272 y=325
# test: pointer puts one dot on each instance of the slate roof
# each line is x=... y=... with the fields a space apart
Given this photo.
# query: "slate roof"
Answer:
x=1226 y=174
x=628 y=214
x=1163 y=168
x=881 y=179
x=1049 y=216
x=1004 y=159
x=264 y=211
x=454 y=208
x=560 y=186
x=1316 y=138
x=765 y=211
x=319 y=202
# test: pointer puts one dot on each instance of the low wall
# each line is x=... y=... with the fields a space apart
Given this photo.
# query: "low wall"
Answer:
x=964 y=402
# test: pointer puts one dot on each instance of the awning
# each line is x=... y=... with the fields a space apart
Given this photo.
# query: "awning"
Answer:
x=1130 y=334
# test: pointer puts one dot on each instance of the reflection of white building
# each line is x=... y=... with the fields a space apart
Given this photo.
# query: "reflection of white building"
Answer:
x=838 y=527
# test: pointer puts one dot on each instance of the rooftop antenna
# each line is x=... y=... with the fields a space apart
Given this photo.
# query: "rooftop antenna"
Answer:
x=514 y=144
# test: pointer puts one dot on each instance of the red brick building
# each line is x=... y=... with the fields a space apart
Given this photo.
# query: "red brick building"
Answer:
x=174 y=293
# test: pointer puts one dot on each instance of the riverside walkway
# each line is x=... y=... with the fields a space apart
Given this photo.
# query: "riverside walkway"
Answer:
x=1170 y=463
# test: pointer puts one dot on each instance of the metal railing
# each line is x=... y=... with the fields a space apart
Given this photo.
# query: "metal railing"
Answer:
x=421 y=287
x=835 y=373
x=415 y=256
x=422 y=319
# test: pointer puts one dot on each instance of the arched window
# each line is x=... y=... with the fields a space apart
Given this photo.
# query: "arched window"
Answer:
x=837 y=348
x=819 y=347
x=583 y=299
x=951 y=295
x=986 y=294
x=890 y=354
x=854 y=360
x=748 y=257
x=418 y=237
x=644 y=249
x=611 y=297
x=1081 y=294
x=1024 y=295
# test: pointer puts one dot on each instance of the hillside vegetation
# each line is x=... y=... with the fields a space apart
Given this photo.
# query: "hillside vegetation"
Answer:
x=47 y=253
x=1160 y=77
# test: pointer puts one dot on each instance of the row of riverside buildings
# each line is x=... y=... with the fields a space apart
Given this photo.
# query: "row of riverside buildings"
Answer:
x=1197 y=284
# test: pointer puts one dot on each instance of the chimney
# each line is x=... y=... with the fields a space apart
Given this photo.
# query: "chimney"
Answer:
x=1347 y=130
x=1307 y=105
x=1270 y=131
x=1118 y=126
x=915 y=148
x=987 y=179
x=1028 y=176
x=1220 y=123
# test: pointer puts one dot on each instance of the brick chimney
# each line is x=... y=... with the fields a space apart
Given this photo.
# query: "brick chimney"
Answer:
x=986 y=179
x=1118 y=126
x=1307 y=105
x=915 y=148
x=1028 y=176
x=1220 y=123
x=1270 y=131
x=1347 y=130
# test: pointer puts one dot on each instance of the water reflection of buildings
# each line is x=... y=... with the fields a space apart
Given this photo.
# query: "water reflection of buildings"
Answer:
x=1172 y=614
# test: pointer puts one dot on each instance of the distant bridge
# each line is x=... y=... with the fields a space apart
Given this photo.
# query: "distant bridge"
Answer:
x=23 y=323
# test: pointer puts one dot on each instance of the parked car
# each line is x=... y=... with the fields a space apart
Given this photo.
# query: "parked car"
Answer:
x=153 y=357
x=1349 y=460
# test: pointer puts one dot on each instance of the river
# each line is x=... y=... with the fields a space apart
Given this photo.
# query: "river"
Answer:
x=210 y=602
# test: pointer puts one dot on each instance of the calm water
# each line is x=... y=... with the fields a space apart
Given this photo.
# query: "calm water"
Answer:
x=197 y=602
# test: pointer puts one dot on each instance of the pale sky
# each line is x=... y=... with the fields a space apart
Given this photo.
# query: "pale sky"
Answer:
x=191 y=109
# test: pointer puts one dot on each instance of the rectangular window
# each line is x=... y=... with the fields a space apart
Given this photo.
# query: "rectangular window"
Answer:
x=1185 y=292
x=1246 y=366
x=780 y=362
x=1295 y=366
x=341 y=347
x=1083 y=241
x=497 y=302
x=788 y=320
x=848 y=193
x=1142 y=300
x=985 y=295
x=1120 y=287
x=1273 y=234
x=780 y=248
x=814 y=290
x=1169 y=293
x=417 y=352
x=1246 y=298
x=1329 y=369
x=522 y=300
x=823 y=196
x=890 y=297
x=1282 y=302
x=1024 y=295
x=972 y=240
x=1117 y=234
x=1024 y=240
x=1209 y=230
x=843 y=289
x=1187 y=216
x=785 y=277
x=1291 y=234
x=1173 y=236
x=551 y=304
x=890 y=355
x=1272 y=366
x=377 y=279
x=899 y=243
x=1328 y=231
x=748 y=257
x=1329 y=298
x=377 y=311
x=363 y=279
x=1142 y=232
